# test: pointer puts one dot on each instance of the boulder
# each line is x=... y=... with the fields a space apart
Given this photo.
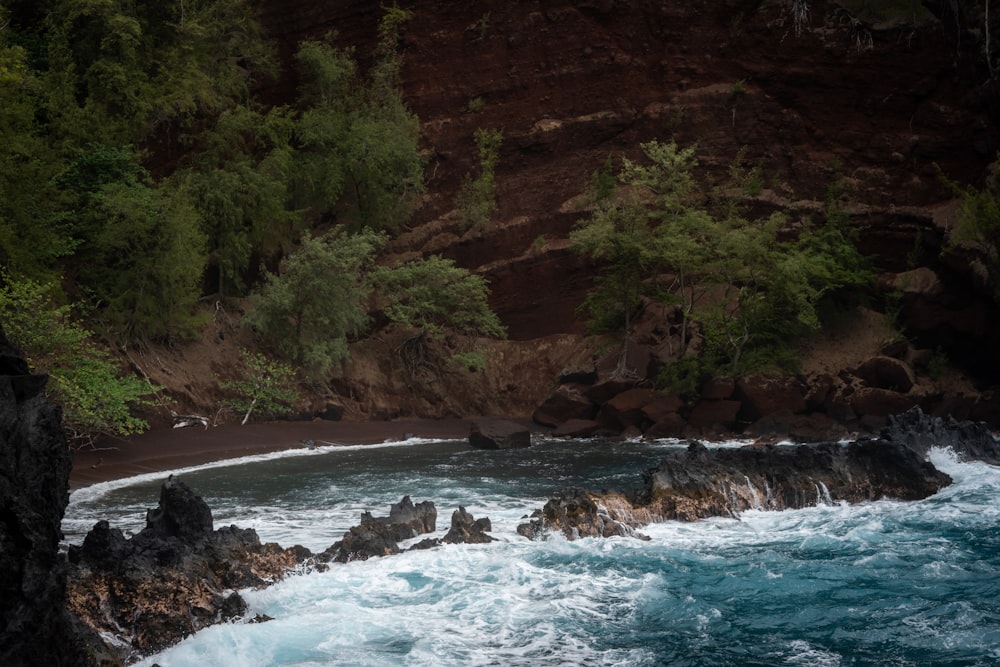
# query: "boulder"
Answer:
x=765 y=394
x=883 y=372
x=625 y=409
x=670 y=426
x=565 y=403
x=715 y=415
x=498 y=434
x=661 y=407
x=718 y=389
x=875 y=402
x=602 y=392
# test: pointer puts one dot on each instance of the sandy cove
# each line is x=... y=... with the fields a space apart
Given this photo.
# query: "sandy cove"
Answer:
x=164 y=449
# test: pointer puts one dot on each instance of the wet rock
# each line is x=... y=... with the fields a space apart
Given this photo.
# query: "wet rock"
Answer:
x=35 y=628
x=576 y=513
x=173 y=578
x=498 y=434
x=380 y=536
x=465 y=529
x=702 y=482
x=920 y=432
x=586 y=375
x=578 y=428
x=719 y=415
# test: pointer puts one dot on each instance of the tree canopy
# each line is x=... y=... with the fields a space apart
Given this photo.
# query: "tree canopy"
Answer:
x=750 y=287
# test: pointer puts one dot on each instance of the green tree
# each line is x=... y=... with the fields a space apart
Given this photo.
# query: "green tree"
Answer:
x=476 y=200
x=96 y=398
x=309 y=309
x=240 y=184
x=266 y=387
x=359 y=156
x=440 y=301
x=618 y=237
x=437 y=298
x=979 y=222
x=34 y=235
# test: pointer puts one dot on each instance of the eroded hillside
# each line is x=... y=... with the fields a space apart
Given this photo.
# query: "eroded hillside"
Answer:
x=830 y=101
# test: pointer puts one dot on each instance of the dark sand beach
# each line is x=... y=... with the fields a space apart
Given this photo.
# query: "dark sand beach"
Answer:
x=170 y=448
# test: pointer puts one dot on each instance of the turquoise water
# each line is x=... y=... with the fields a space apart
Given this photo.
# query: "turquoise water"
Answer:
x=883 y=583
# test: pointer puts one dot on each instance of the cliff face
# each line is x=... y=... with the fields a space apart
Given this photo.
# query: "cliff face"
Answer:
x=34 y=490
x=833 y=104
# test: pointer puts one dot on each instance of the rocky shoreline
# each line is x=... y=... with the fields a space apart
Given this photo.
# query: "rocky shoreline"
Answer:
x=114 y=599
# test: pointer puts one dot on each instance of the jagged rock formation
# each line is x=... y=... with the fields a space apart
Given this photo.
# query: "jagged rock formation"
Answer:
x=35 y=628
x=178 y=575
x=380 y=536
x=699 y=482
x=174 y=577
x=580 y=513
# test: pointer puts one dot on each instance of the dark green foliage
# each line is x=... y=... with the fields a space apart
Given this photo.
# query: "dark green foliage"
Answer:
x=240 y=186
x=266 y=387
x=308 y=310
x=359 y=153
x=767 y=292
x=442 y=302
x=979 y=222
x=437 y=298
x=95 y=397
x=476 y=200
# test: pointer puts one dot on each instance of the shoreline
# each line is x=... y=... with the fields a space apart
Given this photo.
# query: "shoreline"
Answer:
x=163 y=449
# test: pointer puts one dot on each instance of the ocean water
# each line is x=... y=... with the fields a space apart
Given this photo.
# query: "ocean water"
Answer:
x=883 y=583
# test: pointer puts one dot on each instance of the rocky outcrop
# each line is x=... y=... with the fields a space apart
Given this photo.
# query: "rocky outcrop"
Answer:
x=173 y=578
x=498 y=434
x=577 y=513
x=179 y=575
x=35 y=628
x=466 y=529
x=918 y=431
x=380 y=536
x=698 y=482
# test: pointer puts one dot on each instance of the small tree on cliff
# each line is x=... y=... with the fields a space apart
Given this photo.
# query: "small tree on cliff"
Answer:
x=266 y=387
x=307 y=311
x=441 y=301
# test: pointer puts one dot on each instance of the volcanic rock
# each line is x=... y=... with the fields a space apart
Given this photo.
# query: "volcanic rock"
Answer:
x=576 y=513
x=35 y=628
x=173 y=578
x=920 y=432
x=465 y=529
x=498 y=434
x=380 y=536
